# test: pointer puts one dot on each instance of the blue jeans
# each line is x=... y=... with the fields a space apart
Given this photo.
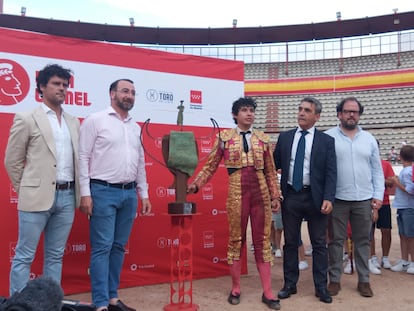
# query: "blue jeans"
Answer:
x=113 y=215
x=56 y=224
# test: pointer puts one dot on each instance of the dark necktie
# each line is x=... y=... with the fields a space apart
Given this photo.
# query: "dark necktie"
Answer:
x=297 y=181
x=245 y=144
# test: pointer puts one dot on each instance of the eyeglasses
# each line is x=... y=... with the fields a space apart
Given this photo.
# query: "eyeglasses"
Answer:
x=127 y=92
x=348 y=112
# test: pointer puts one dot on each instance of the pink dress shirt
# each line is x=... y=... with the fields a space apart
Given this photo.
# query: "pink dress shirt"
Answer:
x=110 y=149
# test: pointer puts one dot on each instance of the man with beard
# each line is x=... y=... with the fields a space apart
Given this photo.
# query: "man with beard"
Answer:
x=112 y=176
x=359 y=193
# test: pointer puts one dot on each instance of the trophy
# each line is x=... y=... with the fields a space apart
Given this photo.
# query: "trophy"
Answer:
x=180 y=154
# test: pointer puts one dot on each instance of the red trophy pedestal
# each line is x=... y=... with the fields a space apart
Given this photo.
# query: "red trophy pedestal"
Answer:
x=181 y=261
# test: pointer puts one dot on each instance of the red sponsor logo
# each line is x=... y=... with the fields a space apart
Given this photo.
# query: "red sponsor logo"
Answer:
x=196 y=97
x=207 y=191
x=206 y=143
x=158 y=142
x=13 y=195
x=14 y=82
x=12 y=249
x=162 y=242
x=208 y=237
x=161 y=192
x=208 y=188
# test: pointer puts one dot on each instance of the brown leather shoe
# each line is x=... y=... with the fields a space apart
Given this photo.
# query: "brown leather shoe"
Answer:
x=334 y=288
x=365 y=289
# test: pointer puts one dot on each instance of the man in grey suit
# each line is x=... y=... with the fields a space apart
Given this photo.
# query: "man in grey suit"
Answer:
x=41 y=161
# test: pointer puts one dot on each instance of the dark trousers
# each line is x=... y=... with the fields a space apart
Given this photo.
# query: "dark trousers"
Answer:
x=296 y=207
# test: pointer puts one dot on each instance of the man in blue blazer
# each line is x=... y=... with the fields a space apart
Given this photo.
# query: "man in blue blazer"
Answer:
x=308 y=186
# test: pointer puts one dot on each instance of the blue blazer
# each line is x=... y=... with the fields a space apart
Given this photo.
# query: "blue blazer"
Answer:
x=322 y=165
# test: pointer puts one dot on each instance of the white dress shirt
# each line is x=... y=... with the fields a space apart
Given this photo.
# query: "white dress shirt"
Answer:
x=64 y=151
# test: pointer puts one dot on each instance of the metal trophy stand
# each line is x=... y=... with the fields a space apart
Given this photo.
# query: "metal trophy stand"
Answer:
x=181 y=213
x=181 y=257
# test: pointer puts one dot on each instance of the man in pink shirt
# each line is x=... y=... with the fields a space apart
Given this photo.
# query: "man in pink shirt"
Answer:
x=112 y=176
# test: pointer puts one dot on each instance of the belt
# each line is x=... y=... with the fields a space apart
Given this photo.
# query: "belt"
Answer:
x=65 y=186
x=305 y=188
x=129 y=185
x=352 y=201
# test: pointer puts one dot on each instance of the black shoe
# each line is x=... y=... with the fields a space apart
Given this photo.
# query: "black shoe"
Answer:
x=273 y=304
x=323 y=296
x=233 y=299
x=286 y=291
x=120 y=306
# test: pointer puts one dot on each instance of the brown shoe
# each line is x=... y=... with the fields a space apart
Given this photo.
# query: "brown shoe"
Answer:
x=334 y=288
x=365 y=289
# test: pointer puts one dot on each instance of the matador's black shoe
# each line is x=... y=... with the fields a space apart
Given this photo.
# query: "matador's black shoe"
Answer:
x=233 y=299
x=273 y=304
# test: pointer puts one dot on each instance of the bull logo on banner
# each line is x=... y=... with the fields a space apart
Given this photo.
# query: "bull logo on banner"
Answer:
x=14 y=82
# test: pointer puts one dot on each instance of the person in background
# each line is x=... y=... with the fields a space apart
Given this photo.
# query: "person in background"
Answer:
x=348 y=257
x=359 y=194
x=307 y=160
x=303 y=264
x=41 y=161
x=277 y=230
x=383 y=223
x=112 y=177
x=404 y=203
x=253 y=192
x=392 y=156
x=276 y=234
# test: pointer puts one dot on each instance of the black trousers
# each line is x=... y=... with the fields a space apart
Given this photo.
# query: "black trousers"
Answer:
x=296 y=207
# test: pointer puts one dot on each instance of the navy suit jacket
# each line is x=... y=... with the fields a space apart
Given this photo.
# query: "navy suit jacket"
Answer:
x=322 y=165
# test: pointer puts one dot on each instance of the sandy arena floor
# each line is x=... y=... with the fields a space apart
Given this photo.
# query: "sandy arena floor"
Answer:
x=392 y=290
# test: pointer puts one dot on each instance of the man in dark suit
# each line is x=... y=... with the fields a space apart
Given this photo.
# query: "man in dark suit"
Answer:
x=307 y=160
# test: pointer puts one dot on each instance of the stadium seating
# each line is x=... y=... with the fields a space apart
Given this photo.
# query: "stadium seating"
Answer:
x=328 y=67
x=389 y=112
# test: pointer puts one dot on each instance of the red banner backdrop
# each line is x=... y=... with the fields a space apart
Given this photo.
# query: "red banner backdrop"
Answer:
x=162 y=80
